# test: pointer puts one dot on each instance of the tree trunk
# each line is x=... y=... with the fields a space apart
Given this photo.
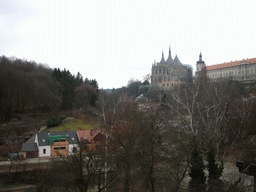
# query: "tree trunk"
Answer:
x=127 y=177
x=151 y=172
x=254 y=178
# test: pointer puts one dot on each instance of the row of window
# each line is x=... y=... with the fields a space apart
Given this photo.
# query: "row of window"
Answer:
x=220 y=74
x=167 y=84
x=59 y=148
x=55 y=149
x=62 y=140
x=161 y=79
x=168 y=73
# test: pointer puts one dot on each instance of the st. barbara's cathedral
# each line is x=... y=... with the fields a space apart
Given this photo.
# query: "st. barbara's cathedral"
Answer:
x=167 y=73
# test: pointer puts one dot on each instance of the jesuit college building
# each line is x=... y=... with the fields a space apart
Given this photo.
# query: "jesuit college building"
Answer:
x=243 y=70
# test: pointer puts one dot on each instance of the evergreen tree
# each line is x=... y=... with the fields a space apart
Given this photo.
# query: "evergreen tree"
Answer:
x=215 y=172
x=198 y=178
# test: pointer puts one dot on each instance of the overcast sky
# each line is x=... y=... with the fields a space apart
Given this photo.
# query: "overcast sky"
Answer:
x=113 y=41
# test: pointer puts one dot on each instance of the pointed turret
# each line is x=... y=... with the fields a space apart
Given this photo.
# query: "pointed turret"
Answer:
x=170 y=60
x=177 y=61
x=200 y=59
x=200 y=63
x=162 y=60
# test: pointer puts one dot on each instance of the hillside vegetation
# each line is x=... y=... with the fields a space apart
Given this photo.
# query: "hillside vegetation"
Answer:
x=73 y=125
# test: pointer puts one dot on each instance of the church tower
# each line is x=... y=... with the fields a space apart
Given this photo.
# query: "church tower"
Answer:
x=200 y=64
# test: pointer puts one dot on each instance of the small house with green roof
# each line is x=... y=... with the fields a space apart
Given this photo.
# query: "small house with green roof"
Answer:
x=57 y=143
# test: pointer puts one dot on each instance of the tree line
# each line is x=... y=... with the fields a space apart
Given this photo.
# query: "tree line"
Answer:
x=26 y=86
x=141 y=151
x=156 y=150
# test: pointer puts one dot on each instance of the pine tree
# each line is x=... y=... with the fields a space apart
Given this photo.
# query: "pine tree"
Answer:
x=198 y=178
x=215 y=172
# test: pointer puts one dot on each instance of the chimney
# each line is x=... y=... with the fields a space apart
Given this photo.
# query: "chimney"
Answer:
x=66 y=130
x=91 y=132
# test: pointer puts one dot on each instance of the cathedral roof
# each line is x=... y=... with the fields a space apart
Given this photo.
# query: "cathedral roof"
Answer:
x=231 y=64
x=162 y=60
x=177 y=61
x=169 y=60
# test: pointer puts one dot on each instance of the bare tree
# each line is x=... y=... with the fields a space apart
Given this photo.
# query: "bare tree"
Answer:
x=123 y=144
x=78 y=172
x=212 y=111
x=102 y=103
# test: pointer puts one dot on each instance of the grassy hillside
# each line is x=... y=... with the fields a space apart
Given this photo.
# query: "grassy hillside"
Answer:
x=73 y=125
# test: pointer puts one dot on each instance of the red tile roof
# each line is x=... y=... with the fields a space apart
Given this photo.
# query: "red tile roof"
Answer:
x=230 y=64
x=89 y=134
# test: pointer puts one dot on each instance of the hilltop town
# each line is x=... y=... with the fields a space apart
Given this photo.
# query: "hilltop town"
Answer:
x=153 y=135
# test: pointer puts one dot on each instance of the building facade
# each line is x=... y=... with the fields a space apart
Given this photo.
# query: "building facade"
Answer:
x=242 y=70
x=170 y=70
x=168 y=73
x=50 y=144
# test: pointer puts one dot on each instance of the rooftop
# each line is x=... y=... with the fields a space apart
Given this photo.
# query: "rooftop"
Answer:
x=44 y=139
x=231 y=64
x=29 y=147
x=89 y=134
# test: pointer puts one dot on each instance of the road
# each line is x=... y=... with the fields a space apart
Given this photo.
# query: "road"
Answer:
x=27 y=161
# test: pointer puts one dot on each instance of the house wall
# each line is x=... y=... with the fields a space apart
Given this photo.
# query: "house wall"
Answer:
x=31 y=154
x=47 y=153
x=71 y=146
x=239 y=72
x=166 y=72
x=60 y=148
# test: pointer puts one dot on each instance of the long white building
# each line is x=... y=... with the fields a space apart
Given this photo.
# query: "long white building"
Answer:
x=242 y=70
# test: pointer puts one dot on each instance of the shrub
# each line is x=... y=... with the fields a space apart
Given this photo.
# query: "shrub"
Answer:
x=55 y=121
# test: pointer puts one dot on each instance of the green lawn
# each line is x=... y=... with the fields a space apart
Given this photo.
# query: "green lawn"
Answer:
x=17 y=187
x=73 y=125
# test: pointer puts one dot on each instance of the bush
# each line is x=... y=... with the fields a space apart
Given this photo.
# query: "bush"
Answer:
x=55 y=121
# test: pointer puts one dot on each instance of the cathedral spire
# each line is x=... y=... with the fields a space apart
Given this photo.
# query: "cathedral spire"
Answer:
x=177 y=61
x=169 y=59
x=162 y=60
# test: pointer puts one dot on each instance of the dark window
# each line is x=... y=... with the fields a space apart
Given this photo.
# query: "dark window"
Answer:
x=59 y=148
x=74 y=150
x=44 y=151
